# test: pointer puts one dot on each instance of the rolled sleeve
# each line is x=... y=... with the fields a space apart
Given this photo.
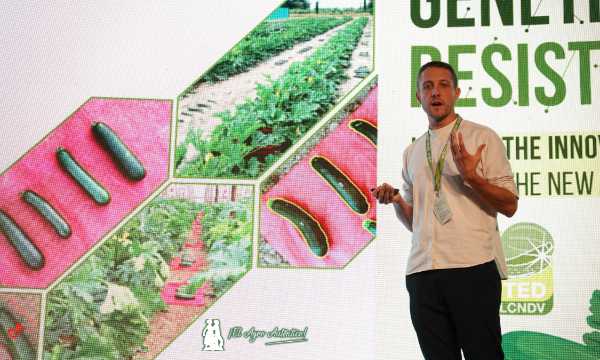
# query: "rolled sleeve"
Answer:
x=496 y=167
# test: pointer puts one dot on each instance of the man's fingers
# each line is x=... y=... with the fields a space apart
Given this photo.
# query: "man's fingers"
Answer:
x=384 y=193
x=375 y=192
x=461 y=144
x=480 y=150
x=453 y=144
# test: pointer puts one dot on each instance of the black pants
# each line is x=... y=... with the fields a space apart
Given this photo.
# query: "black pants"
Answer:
x=454 y=309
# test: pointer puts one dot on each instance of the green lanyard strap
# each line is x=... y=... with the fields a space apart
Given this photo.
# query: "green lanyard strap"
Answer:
x=437 y=173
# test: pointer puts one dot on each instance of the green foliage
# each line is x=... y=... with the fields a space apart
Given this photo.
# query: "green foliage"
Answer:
x=80 y=324
x=266 y=40
x=192 y=137
x=126 y=328
x=282 y=112
x=228 y=263
x=93 y=348
x=227 y=234
x=592 y=339
x=101 y=310
x=528 y=345
x=328 y=11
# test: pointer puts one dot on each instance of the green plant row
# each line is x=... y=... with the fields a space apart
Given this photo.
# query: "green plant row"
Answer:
x=254 y=135
x=266 y=40
x=102 y=309
x=227 y=233
x=329 y=11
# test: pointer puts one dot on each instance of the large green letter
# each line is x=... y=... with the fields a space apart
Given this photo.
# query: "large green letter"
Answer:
x=528 y=19
x=453 y=52
x=584 y=48
x=505 y=9
x=523 y=70
x=568 y=12
x=454 y=20
x=494 y=73
x=553 y=76
x=415 y=13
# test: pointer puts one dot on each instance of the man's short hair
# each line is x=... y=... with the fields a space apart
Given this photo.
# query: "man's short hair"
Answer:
x=438 y=64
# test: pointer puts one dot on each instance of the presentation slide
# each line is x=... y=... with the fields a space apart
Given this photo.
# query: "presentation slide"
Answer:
x=193 y=179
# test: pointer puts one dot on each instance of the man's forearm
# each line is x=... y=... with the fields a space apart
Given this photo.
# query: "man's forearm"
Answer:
x=500 y=199
x=404 y=211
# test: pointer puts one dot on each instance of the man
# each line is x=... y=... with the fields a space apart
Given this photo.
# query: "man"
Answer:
x=450 y=205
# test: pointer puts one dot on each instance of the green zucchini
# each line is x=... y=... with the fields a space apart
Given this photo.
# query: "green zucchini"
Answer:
x=187 y=259
x=342 y=184
x=310 y=230
x=188 y=291
x=185 y=292
x=370 y=226
x=16 y=342
x=85 y=180
x=127 y=162
x=365 y=129
x=48 y=212
x=28 y=252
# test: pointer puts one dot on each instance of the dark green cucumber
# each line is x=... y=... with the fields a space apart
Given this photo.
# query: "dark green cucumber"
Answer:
x=85 y=180
x=30 y=254
x=370 y=226
x=364 y=128
x=342 y=184
x=127 y=162
x=16 y=343
x=48 y=212
x=310 y=230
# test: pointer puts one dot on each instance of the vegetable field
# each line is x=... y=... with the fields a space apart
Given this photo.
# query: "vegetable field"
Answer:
x=266 y=40
x=248 y=137
x=105 y=308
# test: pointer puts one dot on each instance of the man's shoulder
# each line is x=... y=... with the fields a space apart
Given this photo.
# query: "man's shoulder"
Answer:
x=477 y=129
x=475 y=125
x=409 y=148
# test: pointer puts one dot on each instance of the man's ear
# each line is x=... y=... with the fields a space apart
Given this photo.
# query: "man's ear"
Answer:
x=417 y=95
x=457 y=93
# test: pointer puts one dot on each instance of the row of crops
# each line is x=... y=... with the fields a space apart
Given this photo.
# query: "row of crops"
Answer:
x=253 y=136
x=102 y=310
x=266 y=40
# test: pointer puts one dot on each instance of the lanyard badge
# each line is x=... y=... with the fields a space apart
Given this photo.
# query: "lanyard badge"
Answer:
x=441 y=209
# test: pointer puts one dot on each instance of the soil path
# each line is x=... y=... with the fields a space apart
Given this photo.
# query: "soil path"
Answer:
x=198 y=109
x=362 y=56
x=166 y=325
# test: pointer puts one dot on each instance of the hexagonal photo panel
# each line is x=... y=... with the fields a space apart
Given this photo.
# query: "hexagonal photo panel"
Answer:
x=270 y=89
x=77 y=183
x=317 y=209
x=154 y=275
x=19 y=325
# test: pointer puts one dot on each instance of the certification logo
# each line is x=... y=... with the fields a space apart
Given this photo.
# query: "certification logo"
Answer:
x=529 y=289
x=211 y=335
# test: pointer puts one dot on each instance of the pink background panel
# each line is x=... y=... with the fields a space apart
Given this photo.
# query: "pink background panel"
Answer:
x=143 y=125
x=353 y=155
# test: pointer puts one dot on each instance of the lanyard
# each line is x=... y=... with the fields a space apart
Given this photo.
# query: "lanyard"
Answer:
x=437 y=173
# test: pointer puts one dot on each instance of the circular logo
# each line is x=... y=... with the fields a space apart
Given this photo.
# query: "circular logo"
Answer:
x=528 y=248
